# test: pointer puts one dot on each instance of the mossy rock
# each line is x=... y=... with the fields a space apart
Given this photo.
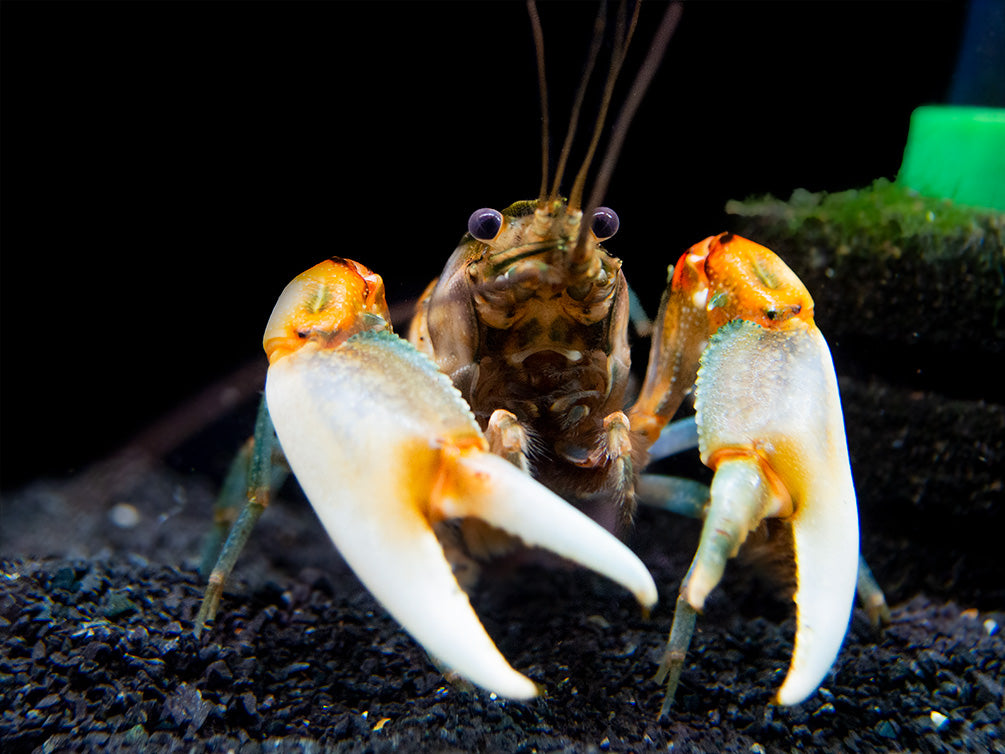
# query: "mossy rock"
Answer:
x=887 y=264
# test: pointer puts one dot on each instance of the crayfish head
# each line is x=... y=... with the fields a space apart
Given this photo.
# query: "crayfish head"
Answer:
x=326 y=305
x=537 y=251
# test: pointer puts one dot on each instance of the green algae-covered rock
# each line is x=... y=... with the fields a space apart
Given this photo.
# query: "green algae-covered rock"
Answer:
x=887 y=264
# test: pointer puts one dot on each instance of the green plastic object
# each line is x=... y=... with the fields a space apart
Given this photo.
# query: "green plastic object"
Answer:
x=957 y=153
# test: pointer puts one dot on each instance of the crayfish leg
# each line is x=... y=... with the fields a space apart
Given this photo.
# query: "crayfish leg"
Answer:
x=255 y=459
x=618 y=447
x=870 y=594
x=685 y=497
x=239 y=486
x=509 y=439
x=680 y=334
x=681 y=631
x=676 y=437
x=227 y=507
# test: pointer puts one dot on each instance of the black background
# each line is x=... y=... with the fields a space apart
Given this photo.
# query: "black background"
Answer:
x=168 y=168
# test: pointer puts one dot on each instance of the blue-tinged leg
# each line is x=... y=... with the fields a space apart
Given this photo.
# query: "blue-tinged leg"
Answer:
x=257 y=460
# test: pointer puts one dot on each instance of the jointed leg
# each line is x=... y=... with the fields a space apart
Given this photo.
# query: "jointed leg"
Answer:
x=681 y=631
x=229 y=503
x=870 y=594
x=233 y=497
x=676 y=437
x=619 y=451
x=685 y=497
x=508 y=438
x=259 y=491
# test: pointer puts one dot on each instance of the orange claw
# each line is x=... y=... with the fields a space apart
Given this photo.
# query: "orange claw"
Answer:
x=737 y=325
x=327 y=304
x=721 y=279
x=748 y=281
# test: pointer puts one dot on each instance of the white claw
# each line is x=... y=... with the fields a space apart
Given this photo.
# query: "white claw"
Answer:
x=383 y=446
x=502 y=495
x=825 y=534
x=794 y=419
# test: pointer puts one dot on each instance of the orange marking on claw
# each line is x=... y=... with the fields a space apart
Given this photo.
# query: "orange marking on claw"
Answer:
x=749 y=281
x=778 y=488
x=327 y=304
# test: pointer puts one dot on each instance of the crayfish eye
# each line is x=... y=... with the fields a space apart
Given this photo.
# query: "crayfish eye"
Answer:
x=485 y=223
x=605 y=223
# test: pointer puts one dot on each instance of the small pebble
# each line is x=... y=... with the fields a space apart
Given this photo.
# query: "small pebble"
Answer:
x=118 y=604
x=991 y=626
x=886 y=729
x=124 y=515
x=938 y=719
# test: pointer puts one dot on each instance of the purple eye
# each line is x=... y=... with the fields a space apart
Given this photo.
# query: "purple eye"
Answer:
x=605 y=223
x=484 y=223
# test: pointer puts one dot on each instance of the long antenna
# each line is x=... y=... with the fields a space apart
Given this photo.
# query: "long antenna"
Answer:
x=617 y=59
x=542 y=85
x=642 y=80
x=598 y=38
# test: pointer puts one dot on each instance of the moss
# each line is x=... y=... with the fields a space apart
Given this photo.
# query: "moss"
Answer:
x=906 y=268
x=872 y=212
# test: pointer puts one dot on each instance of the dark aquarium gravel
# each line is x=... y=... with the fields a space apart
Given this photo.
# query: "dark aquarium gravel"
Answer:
x=97 y=651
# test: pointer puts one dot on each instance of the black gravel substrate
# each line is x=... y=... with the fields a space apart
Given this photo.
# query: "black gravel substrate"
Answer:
x=97 y=653
x=99 y=657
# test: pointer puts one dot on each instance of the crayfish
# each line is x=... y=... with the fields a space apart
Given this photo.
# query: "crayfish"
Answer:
x=507 y=405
